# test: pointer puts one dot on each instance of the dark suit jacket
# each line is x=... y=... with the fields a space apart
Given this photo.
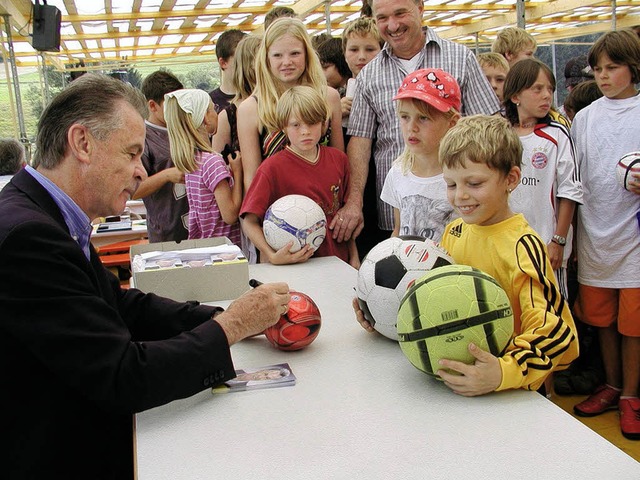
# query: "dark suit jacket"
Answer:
x=79 y=355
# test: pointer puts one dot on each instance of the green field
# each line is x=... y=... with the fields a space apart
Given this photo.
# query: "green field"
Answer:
x=9 y=124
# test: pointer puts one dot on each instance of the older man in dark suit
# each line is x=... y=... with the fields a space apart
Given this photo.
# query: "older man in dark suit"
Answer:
x=78 y=354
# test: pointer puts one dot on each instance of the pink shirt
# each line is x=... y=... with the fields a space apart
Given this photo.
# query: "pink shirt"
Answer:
x=205 y=219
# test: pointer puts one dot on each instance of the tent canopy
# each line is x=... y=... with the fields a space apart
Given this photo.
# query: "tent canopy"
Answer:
x=137 y=31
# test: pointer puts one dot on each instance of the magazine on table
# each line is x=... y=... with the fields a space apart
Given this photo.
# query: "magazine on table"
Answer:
x=270 y=376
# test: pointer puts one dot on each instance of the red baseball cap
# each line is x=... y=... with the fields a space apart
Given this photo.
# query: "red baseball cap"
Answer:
x=433 y=86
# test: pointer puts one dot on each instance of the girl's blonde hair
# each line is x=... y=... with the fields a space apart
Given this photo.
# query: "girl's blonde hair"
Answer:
x=305 y=103
x=186 y=140
x=244 y=70
x=407 y=159
x=268 y=89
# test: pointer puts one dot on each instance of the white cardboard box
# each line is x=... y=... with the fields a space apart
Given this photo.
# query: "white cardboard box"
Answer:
x=219 y=281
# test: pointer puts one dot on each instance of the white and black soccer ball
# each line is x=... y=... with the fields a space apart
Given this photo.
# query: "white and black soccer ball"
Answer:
x=626 y=167
x=386 y=272
x=297 y=218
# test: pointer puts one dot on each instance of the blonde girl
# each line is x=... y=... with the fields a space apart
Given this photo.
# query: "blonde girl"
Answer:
x=285 y=59
x=428 y=106
x=214 y=190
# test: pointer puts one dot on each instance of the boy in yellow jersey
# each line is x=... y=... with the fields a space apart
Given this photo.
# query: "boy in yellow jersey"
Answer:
x=480 y=159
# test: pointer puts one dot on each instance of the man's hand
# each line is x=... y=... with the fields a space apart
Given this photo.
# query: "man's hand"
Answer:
x=482 y=377
x=347 y=223
x=254 y=311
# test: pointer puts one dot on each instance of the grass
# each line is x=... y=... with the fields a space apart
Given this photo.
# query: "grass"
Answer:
x=8 y=122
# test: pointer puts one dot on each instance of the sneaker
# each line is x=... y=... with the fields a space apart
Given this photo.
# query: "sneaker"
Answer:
x=602 y=399
x=630 y=418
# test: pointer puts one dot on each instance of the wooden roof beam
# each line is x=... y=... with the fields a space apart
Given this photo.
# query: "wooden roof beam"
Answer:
x=626 y=21
x=19 y=10
x=302 y=8
x=531 y=12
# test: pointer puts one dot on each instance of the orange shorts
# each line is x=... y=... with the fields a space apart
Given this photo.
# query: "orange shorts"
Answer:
x=603 y=307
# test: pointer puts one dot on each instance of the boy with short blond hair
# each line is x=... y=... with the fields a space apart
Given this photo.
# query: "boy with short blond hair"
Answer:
x=514 y=43
x=362 y=27
x=481 y=158
x=495 y=68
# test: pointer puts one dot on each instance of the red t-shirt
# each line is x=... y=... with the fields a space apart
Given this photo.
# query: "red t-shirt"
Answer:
x=287 y=173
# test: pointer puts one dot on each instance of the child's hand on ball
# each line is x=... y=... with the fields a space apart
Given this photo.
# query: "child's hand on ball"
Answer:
x=360 y=316
x=482 y=377
x=285 y=257
x=634 y=184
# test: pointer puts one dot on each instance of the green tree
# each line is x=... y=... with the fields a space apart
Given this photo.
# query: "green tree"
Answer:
x=134 y=77
x=202 y=77
x=35 y=97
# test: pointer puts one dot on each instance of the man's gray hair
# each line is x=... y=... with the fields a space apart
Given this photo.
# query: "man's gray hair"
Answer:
x=93 y=100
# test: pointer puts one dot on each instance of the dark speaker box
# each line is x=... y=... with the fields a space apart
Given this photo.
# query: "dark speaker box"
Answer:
x=46 y=28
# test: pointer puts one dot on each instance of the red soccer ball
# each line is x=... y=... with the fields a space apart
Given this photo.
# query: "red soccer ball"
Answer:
x=298 y=327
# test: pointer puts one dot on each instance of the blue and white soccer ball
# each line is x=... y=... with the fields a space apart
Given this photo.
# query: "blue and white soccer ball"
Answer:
x=297 y=218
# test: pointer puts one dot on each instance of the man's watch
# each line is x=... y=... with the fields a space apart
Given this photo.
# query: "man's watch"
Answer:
x=559 y=240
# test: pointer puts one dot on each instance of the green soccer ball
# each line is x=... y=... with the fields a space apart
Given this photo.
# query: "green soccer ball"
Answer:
x=447 y=309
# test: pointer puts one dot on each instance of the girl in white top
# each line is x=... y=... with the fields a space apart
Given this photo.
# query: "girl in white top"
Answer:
x=550 y=185
x=428 y=106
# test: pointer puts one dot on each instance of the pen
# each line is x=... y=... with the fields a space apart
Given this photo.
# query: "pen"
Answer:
x=253 y=283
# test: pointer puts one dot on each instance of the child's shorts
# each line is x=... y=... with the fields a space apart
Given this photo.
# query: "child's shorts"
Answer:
x=603 y=307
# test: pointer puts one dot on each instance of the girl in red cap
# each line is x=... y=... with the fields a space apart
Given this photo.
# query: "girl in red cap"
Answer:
x=428 y=106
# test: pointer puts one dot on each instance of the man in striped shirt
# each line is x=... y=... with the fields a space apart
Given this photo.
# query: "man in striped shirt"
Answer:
x=408 y=47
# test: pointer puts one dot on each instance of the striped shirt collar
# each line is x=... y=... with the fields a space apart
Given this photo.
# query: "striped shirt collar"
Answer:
x=77 y=221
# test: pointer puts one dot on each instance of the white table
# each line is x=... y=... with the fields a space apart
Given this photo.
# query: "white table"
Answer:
x=360 y=410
